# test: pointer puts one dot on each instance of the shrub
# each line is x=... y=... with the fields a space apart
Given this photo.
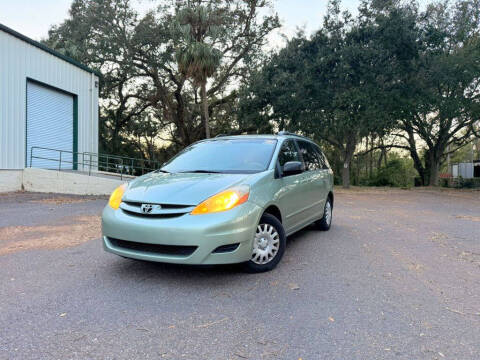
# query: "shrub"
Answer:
x=396 y=173
x=462 y=183
x=444 y=183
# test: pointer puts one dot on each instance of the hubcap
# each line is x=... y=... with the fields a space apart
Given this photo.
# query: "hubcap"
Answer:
x=328 y=213
x=265 y=244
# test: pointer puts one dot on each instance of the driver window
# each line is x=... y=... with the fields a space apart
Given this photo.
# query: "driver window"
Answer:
x=288 y=153
x=310 y=156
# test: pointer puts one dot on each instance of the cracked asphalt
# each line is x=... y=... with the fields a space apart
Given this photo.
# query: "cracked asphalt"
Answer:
x=396 y=277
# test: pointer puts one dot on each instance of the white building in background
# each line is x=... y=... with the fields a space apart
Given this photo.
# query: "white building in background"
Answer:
x=466 y=170
x=46 y=100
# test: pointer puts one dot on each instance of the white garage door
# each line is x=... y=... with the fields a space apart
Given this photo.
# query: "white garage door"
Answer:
x=49 y=125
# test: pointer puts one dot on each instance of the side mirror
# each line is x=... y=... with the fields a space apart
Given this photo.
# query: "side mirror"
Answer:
x=292 y=168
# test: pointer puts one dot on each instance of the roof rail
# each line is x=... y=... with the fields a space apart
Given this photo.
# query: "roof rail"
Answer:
x=220 y=135
x=291 y=134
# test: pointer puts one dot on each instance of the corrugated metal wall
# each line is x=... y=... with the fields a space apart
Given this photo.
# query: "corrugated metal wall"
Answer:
x=19 y=61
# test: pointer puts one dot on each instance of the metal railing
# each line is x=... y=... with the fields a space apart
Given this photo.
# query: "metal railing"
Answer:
x=93 y=162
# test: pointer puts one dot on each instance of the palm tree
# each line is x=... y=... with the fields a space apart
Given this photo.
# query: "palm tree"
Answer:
x=197 y=59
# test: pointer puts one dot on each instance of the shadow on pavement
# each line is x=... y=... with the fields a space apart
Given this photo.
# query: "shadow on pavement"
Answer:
x=138 y=270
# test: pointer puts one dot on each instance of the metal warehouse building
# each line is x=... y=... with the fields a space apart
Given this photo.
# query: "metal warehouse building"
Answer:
x=46 y=100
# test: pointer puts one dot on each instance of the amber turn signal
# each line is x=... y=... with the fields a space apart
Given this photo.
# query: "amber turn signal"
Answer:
x=116 y=197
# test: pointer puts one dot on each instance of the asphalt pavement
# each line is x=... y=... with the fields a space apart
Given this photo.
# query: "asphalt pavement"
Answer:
x=396 y=277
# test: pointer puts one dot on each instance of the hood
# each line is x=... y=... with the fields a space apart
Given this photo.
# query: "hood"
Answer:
x=179 y=189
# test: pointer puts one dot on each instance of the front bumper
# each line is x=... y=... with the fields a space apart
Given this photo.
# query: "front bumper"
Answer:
x=205 y=232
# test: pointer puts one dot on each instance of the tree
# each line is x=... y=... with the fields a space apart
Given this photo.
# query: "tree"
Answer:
x=198 y=59
x=442 y=101
x=98 y=42
x=390 y=68
x=328 y=87
x=137 y=56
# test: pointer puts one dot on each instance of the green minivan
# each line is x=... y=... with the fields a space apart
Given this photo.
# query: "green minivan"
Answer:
x=230 y=199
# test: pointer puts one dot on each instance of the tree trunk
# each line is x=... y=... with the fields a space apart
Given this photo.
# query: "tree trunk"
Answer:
x=383 y=155
x=370 y=165
x=180 y=118
x=346 y=175
x=432 y=164
x=366 y=158
x=349 y=150
x=433 y=178
x=203 y=95
x=115 y=140
x=417 y=162
x=358 y=170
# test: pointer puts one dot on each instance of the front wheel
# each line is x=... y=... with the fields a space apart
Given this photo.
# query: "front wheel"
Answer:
x=326 y=221
x=268 y=245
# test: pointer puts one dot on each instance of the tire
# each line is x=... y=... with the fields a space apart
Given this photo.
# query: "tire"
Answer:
x=326 y=221
x=268 y=245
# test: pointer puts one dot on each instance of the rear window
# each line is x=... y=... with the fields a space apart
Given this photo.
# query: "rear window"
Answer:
x=224 y=156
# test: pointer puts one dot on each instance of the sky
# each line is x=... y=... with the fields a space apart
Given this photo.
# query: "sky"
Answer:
x=33 y=18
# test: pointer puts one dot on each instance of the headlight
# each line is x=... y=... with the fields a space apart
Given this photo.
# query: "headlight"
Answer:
x=116 y=197
x=223 y=201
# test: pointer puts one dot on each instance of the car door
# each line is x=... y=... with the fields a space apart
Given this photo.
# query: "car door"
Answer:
x=315 y=180
x=292 y=198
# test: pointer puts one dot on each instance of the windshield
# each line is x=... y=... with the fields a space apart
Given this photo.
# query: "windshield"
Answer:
x=224 y=156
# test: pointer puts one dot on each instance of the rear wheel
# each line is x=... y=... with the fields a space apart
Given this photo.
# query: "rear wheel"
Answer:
x=326 y=221
x=268 y=245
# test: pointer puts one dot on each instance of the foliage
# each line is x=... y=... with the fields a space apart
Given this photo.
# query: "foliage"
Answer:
x=331 y=87
x=391 y=77
x=396 y=173
x=442 y=104
x=393 y=72
x=460 y=183
x=139 y=57
x=198 y=58
x=468 y=183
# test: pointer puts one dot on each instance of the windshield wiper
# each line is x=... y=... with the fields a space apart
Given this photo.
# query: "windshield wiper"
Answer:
x=201 y=171
x=162 y=171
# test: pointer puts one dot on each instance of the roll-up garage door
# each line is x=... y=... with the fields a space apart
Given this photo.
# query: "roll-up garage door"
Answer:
x=49 y=125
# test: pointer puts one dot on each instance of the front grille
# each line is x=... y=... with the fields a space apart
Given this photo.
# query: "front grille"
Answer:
x=157 y=211
x=154 y=216
x=226 y=248
x=179 y=250
x=164 y=206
